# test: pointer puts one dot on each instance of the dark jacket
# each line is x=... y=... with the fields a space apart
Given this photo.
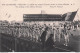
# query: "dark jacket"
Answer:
x=43 y=36
x=49 y=42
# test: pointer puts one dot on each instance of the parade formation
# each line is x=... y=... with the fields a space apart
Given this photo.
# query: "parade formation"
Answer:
x=38 y=32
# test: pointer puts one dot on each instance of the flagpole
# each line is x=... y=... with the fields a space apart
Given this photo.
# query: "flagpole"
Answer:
x=77 y=14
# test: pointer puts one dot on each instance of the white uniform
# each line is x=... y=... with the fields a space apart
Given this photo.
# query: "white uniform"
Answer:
x=48 y=34
x=66 y=36
x=54 y=33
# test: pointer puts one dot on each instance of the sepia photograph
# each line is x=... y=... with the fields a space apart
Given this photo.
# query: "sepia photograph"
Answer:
x=39 y=26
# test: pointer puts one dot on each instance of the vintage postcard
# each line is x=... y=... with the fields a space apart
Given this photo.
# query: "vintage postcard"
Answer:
x=39 y=25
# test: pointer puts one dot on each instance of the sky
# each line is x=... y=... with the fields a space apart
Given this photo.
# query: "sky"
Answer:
x=15 y=12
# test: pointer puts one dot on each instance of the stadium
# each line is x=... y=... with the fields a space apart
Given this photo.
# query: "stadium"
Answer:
x=25 y=36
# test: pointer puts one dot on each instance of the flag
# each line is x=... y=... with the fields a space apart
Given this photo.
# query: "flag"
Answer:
x=70 y=16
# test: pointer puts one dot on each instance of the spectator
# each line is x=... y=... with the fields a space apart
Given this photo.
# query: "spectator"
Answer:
x=49 y=43
x=43 y=37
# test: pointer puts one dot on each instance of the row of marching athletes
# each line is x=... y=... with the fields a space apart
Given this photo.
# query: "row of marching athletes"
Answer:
x=35 y=31
x=22 y=31
x=55 y=34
